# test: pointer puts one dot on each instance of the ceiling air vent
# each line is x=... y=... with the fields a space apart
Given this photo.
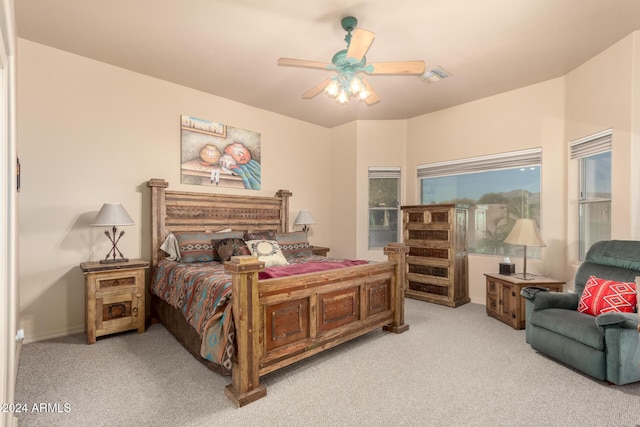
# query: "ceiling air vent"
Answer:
x=435 y=74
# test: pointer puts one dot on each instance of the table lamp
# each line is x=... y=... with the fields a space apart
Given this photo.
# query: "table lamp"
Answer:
x=113 y=215
x=304 y=218
x=525 y=233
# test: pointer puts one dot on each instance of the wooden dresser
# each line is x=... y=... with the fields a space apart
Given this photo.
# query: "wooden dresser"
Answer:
x=437 y=266
x=504 y=301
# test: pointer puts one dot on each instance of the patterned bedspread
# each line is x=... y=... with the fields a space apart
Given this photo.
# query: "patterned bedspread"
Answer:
x=202 y=291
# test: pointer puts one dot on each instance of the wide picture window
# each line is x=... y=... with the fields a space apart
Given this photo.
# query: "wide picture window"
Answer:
x=497 y=190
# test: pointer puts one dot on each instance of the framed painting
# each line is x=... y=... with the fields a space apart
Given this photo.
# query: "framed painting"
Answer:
x=219 y=155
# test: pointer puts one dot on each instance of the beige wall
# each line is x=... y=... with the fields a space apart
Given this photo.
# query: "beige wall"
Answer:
x=380 y=143
x=603 y=94
x=529 y=117
x=342 y=178
x=91 y=133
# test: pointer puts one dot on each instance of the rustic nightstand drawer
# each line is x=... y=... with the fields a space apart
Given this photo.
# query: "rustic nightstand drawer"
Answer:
x=116 y=282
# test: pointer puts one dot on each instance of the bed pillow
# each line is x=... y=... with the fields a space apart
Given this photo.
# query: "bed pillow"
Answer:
x=294 y=244
x=198 y=247
x=267 y=251
x=229 y=247
x=260 y=235
x=221 y=235
x=604 y=296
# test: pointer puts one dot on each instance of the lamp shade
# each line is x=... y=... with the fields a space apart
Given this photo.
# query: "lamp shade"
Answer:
x=304 y=218
x=525 y=233
x=112 y=214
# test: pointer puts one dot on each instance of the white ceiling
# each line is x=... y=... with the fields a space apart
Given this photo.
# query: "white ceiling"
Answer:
x=229 y=48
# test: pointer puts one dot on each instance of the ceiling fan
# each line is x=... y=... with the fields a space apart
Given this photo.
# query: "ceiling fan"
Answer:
x=350 y=62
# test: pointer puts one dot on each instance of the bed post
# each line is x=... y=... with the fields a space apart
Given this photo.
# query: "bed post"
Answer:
x=284 y=195
x=245 y=386
x=398 y=252
x=157 y=215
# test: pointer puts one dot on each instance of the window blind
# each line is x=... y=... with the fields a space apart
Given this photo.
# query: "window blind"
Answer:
x=592 y=144
x=384 y=172
x=510 y=160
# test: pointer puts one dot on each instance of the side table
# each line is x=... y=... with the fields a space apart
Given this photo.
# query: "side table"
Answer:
x=114 y=297
x=319 y=250
x=504 y=301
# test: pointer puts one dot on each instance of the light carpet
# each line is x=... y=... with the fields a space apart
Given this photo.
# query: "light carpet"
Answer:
x=454 y=367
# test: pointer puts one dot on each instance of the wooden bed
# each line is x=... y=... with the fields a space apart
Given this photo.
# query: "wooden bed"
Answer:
x=282 y=320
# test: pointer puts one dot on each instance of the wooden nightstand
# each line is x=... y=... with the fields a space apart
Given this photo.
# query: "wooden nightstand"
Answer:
x=114 y=297
x=504 y=301
x=319 y=250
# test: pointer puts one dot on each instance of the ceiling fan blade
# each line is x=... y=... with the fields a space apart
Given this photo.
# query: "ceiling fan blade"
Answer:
x=290 y=62
x=401 y=67
x=373 y=96
x=316 y=89
x=360 y=42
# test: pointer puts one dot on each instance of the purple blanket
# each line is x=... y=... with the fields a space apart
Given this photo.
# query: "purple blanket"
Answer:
x=307 y=267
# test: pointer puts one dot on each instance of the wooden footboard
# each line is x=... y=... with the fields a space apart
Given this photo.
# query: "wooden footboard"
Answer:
x=281 y=321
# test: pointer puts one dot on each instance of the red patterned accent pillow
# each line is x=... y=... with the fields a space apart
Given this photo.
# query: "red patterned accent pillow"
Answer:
x=604 y=296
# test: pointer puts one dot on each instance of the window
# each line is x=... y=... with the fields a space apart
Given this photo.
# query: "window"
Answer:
x=593 y=154
x=498 y=189
x=384 y=206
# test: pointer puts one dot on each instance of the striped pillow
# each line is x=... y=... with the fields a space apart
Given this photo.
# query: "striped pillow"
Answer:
x=294 y=244
x=198 y=247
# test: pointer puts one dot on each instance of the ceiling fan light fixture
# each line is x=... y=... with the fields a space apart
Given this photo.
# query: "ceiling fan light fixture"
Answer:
x=347 y=63
x=343 y=97
x=332 y=89
x=356 y=85
x=344 y=86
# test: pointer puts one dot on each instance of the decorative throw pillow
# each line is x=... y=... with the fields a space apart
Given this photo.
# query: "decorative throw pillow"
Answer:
x=267 y=251
x=604 y=296
x=294 y=244
x=260 y=235
x=221 y=235
x=198 y=247
x=227 y=248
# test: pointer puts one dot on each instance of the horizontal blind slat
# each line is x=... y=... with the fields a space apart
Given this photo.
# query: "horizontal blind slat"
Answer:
x=510 y=160
x=384 y=172
x=591 y=145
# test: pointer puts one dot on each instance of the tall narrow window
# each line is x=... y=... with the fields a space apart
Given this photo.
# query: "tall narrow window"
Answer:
x=593 y=154
x=384 y=206
x=498 y=189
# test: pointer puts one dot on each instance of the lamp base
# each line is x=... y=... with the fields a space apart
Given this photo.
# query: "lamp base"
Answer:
x=112 y=261
x=523 y=277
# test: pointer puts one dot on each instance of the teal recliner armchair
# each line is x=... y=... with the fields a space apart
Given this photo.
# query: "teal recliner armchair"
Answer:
x=606 y=347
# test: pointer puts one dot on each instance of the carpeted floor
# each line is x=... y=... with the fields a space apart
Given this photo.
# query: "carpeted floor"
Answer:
x=454 y=367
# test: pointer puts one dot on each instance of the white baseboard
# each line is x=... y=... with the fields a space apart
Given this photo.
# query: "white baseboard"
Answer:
x=54 y=334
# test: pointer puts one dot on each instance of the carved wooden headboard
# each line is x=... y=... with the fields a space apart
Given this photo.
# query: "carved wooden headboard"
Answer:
x=207 y=212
